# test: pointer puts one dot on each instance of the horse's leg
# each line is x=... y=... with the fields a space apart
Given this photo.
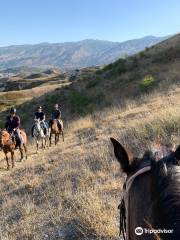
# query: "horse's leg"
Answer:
x=50 y=139
x=43 y=143
x=46 y=141
x=63 y=135
x=55 y=138
x=21 y=152
x=8 y=166
x=37 y=146
x=12 y=158
x=25 y=149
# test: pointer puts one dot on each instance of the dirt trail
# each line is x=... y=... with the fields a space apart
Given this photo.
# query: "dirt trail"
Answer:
x=33 y=158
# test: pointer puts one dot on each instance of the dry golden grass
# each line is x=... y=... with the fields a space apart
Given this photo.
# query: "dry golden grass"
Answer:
x=72 y=191
x=11 y=98
x=81 y=123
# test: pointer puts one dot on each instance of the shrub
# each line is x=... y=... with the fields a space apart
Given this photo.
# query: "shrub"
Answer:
x=121 y=69
x=142 y=54
x=1 y=124
x=92 y=83
x=99 y=72
x=108 y=67
x=147 y=82
x=81 y=103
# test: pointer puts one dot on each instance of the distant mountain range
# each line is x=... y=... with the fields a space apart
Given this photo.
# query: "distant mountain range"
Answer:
x=71 y=55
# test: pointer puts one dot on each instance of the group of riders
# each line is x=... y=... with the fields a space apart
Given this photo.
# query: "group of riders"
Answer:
x=13 y=121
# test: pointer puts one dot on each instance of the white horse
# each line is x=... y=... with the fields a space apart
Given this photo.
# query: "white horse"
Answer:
x=38 y=133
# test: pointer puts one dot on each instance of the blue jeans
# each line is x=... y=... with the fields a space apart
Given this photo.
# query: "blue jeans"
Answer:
x=45 y=126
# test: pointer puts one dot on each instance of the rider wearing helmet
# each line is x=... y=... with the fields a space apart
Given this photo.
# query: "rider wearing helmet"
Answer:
x=40 y=115
x=56 y=114
x=12 y=126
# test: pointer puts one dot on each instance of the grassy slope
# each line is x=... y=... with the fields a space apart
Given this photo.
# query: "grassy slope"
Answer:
x=74 y=188
x=72 y=191
x=155 y=69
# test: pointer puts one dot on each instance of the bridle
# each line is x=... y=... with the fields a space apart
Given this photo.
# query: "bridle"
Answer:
x=144 y=167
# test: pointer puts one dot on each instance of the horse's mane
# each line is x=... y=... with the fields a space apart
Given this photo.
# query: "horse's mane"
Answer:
x=137 y=162
x=166 y=174
x=156 y=152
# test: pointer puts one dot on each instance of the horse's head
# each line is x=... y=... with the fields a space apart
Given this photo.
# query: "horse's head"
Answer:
x=151 y=192
x=4 y=138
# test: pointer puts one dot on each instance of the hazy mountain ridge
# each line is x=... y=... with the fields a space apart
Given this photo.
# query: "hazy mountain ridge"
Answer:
x=70 y=55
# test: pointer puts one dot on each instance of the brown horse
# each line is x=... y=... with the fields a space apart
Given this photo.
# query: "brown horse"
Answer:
x=8 y=145
x=54 y=129
x=150 y=206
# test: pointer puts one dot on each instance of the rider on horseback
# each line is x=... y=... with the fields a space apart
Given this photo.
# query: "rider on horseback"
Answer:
x=12 y=126
x=56 y=115
x=40 y=115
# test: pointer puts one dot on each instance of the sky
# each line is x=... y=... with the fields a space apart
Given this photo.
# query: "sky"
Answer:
x=35 y=21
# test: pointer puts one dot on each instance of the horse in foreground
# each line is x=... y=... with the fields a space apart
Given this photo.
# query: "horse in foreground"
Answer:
x=54 y=129
x=151 y=195
x=38 y=133
x=8 y=145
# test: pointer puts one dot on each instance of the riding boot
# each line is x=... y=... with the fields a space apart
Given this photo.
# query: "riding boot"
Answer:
x=13 y=139
x=45 y=131
x=59 y=125
x=17 y=142
x=32 y=131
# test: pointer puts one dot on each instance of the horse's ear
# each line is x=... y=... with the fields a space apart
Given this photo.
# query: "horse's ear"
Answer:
x=121 y=155
x=177 y=153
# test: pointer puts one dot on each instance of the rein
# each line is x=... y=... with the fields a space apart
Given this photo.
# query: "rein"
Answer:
x=123 y=206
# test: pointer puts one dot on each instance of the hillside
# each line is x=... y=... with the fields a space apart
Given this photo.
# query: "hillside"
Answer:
x=155 y=69
x=71 y=55
x=29 y=80
x=71 y=191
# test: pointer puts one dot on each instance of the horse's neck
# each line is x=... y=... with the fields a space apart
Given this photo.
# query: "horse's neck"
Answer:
x=38 y=129
x=9 y=135
x=8 y=139
x=140 y=208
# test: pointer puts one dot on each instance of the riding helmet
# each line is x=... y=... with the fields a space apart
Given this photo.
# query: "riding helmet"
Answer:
x=13 y=110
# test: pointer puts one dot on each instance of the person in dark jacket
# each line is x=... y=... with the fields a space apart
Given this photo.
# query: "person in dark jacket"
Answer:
x=56 y=114
x=40 y=115
x=12 y=125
